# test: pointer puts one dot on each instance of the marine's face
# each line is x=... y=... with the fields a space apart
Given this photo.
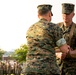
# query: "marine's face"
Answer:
x=67 y=17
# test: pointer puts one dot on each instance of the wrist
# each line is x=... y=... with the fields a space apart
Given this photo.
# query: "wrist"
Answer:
x=68 y=55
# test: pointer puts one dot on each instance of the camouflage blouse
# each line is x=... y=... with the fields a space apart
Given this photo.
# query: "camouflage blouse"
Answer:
x=41 y=40
x=66 y=32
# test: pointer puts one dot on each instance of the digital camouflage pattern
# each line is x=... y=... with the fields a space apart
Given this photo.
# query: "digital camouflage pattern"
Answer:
x=67 y=8
x=44 y=8
x=68 y=65
x=41 y=40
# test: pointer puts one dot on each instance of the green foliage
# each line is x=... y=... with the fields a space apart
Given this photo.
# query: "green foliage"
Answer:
x=1 y=53
x=20 y=53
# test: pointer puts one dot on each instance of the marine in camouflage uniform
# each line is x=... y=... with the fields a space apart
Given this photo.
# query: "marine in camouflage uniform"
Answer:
x=1 y=68
x=68 y=65
x=41 y=40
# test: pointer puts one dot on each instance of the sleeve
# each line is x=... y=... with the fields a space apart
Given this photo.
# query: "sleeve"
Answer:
x=60 y=42
x=58 y=34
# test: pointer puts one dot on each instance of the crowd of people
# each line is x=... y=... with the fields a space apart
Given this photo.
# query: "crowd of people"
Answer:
x=10 y=67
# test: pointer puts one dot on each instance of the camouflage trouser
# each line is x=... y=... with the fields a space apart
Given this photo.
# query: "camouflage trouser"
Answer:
x=68 y=70
x=71 y=71
x=67 y=67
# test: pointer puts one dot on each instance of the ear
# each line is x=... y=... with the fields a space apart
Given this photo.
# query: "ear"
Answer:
x=73 y=14
x=49 y=14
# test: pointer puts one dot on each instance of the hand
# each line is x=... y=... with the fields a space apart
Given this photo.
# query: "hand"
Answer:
x=72 y=53
x=63 y=56
x=69 y=54
x=69 y=47
x=58 y=55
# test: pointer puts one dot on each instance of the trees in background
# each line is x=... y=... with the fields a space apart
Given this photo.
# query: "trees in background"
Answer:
x=1 y=53
x=20 y=53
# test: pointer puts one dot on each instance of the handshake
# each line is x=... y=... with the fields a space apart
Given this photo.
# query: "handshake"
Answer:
x=71 y=54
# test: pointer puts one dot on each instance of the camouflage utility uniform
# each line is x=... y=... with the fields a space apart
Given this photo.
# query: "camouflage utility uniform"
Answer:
x=69 y=64
x=41 y=40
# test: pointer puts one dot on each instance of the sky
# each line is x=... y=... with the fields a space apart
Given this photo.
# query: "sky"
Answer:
x=16 y=16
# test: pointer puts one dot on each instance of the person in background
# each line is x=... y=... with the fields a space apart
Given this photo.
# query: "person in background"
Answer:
x=67 y=63
x=42 y=37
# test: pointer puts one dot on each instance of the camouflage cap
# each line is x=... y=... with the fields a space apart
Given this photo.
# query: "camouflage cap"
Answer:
x=67 y=8
x=44 y=8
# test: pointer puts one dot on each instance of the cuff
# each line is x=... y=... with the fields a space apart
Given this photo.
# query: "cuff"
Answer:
x=61 y=42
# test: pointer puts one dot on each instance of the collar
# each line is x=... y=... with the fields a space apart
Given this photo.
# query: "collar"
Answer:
x=66 y=29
